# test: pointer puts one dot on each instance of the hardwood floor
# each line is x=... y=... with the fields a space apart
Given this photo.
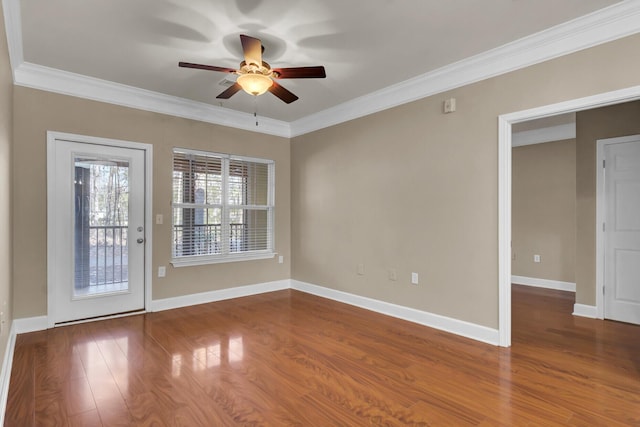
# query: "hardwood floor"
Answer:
x=288 y=358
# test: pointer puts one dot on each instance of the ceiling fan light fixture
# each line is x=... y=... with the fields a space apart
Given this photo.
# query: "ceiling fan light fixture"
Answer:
x=256 y=76
x=254 y=83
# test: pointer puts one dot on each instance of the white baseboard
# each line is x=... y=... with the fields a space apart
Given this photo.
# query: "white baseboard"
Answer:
x=40 y=323
x=5 y=374
x=30 y=324
x=454 y=326
x=582 y=310
x=544 y=283
x=219 y=295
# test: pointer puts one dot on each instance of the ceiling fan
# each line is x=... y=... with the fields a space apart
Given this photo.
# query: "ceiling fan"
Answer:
x=256 y=76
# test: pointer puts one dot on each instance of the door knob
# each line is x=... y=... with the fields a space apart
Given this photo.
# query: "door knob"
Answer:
x=140 y=240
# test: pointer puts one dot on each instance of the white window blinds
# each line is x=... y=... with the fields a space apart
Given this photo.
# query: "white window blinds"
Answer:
x=222 y=207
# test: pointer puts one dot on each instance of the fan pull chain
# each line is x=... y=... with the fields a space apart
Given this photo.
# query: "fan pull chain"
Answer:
x=255 y=109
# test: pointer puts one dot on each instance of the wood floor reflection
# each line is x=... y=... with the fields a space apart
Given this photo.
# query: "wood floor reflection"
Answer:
x=288 y=358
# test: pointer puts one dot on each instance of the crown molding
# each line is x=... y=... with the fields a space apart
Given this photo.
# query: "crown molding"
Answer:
x=608 y=24
x=548 y=134
x=13 y=26
x=66 y=83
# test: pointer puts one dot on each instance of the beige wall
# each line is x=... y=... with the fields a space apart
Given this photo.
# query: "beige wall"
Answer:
x=408 y=189
x=413 y=189
x=543 y=210
x=36 y=112
x=601 y=123
x=6 y=99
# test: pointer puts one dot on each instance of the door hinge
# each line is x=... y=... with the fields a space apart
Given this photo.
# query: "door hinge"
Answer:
x=603 y=227
x=603 y=162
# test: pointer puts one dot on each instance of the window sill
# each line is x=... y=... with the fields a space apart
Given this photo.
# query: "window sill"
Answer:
x=204 y=260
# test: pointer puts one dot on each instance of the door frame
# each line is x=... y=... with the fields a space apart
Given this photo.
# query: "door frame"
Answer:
x=601 y=216
x=504 y=186
x=147 y=149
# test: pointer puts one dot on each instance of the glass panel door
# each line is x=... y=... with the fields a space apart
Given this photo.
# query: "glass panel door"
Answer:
x=101 y=250
x=96 y=230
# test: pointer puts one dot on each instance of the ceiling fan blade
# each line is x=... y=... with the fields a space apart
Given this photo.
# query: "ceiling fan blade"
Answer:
x=282 y=93
x=206 y=67
x=230 y=91
x=300 y=72
x=252 y=49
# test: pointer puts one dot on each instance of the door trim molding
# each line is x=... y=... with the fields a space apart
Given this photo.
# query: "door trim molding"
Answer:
x=504 y=185
x=53 y=136
x=601 y=217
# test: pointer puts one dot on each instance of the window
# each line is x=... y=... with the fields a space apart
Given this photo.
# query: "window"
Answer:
x=222 y=208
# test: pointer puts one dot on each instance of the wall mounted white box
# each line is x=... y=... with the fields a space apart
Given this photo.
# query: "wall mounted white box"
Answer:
x=449 y=106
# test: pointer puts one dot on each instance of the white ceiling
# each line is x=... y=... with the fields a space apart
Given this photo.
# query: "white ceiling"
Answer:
x=365 y=46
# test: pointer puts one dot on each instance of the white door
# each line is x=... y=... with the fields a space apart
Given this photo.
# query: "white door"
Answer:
x=96 y=230
x=622 y=230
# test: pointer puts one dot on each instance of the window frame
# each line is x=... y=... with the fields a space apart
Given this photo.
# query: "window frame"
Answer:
x=225 y=206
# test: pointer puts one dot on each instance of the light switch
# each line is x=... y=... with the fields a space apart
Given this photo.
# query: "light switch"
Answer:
x=162 y=271
x=159 y=219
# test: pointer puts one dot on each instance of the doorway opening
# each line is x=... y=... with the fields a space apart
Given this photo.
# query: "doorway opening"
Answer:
x=505 y=123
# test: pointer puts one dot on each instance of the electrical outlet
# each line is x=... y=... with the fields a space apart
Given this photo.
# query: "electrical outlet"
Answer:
x=393 y=275
x=414 y=278
x=159 y=219
x=280 y=259
x=536 y=258
x=162 y=271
